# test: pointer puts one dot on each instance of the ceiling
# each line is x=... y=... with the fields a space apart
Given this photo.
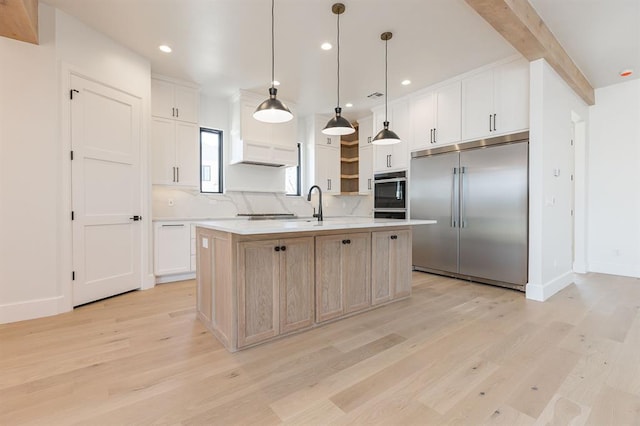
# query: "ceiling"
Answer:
x=224 y=45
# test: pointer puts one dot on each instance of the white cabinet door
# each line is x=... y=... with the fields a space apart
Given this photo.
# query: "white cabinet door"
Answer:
x=187 y=154
x=172 y=248
x=511 y=97
x=477 y=105
x=422 y=121
x=162 y=151
x=175 y=153
x=448 y=114
x=162 y=104
x=496 y=101
x=396 y=156
x=170 y=100
x=365 y=175
x=381 y=157
x=365 y=131
x=186 y=101
x=328 y=169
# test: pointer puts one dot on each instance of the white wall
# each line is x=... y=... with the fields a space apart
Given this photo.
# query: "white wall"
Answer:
x=614 y=181
x=35 y=226
x=29 y=171
x=554 y=107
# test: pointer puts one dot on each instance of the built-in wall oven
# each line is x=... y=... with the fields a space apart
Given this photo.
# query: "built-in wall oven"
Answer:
x=390 y=195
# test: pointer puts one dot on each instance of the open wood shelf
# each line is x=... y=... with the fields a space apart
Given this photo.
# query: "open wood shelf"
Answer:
x=349 y=164
x=349 y=160
x=349 y=176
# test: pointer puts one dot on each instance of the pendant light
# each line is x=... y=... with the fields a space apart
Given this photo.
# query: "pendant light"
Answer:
x=272 y=110
x=338 y=125
x=385 y=136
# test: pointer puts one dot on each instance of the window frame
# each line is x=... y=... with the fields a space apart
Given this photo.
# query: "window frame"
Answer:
x=298 y=174
x=220 y=134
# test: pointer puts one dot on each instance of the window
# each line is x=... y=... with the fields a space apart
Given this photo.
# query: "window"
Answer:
x=292 y=184
x=210 y=160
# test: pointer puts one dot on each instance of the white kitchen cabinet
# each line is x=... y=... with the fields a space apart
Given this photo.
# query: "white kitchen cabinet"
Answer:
x=396 y=156
x=175 y=152
x=256 y=142
x=365 y=131
x=322 y=156
x=172 y=249
x=436 y=117
x=496 y=101
x=174 y=101
x=365 y=175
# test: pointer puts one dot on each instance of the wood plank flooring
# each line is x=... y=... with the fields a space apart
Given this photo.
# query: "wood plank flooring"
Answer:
x=454 y=353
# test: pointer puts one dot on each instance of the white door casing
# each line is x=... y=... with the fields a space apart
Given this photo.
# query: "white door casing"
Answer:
x=105 y=189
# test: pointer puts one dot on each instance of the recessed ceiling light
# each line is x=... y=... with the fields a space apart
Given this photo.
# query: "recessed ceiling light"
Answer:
x=326 y=46
x=164 y=48
x=626 y=73
x=276 y=83
x=348 y=104
x=406 y=82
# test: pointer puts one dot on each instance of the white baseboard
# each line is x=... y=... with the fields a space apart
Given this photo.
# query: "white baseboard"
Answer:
x=542 y=292
x=176 y=277
x=148 y=282
x=624 y=270
x=20 y=311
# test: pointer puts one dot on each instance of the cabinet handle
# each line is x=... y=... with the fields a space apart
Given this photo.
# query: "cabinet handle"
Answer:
x=173 y=112
x=328 y=141
x=490 y=122
x=369 y=139
x=277 y=248
x=174 y=174
x=346 y=241
x=369 y=183
x=394 y=237
x=494 y=122
x=435 y=135
x=390 y=159
x=177 y=174
x=177 y=112
x=328 y=184
x=173 y=225
x=283 y=248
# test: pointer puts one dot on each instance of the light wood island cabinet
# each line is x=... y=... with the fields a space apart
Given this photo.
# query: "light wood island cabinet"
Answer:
x=343 y=282
x=252 y=288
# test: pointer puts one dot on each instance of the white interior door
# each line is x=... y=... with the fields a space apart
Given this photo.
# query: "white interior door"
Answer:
x=106 y=182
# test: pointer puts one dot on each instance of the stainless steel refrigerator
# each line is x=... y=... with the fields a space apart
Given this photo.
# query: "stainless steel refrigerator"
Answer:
x=478 y=192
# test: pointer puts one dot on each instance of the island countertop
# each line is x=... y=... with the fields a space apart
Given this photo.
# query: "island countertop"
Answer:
x=255 y=227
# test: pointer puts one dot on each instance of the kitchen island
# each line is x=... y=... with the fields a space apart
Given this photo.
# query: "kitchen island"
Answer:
x=260 y=280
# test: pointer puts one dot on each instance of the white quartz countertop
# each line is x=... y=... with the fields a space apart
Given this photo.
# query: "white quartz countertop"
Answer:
x=252 y=227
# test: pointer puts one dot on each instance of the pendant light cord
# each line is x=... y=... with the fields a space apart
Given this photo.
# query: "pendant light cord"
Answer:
x=273 y=56
x=338 y=60
x=385 y=80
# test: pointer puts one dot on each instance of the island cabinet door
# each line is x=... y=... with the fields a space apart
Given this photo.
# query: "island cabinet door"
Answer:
x=391 y=265
x=342 y=274
x=258 y=291
x=296 y=283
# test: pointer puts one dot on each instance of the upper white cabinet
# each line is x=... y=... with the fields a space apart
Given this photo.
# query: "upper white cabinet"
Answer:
x=174 y=152
x=256 y=142
x=322 y=155
x=365 y=172
x=496 y=101
x=365 y=131
x=436 y=117
x=175 y=145
x=396 y=156
x=174 y=101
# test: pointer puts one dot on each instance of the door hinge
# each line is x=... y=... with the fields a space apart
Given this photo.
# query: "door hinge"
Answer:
x=73 y=275
x=72 y=215
x=71 y=155
x=71 y=93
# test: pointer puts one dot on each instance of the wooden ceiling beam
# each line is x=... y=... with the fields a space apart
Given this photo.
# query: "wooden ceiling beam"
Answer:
x=19 y=20
x=519 y=23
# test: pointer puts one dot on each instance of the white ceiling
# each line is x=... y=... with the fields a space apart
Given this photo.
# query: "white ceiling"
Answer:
x=224 y=45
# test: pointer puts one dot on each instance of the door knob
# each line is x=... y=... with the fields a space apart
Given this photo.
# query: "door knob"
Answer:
x=136 y=218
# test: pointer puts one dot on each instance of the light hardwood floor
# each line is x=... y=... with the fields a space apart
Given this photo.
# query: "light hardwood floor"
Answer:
x=454 y=353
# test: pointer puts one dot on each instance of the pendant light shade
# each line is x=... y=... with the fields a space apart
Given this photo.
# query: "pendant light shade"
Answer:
x=272 y=110
x=338 y=125
x=385 y=136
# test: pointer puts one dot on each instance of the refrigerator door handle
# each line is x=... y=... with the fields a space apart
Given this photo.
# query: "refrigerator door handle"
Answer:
x=463 y=222
x=454 y=197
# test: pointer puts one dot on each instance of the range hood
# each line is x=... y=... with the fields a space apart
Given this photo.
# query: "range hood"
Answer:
x=262 y=154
